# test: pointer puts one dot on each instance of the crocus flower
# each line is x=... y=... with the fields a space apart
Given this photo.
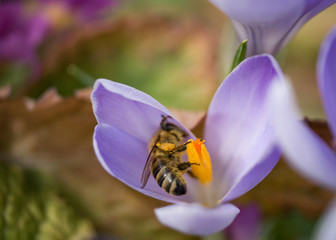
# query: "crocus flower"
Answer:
x=20 y=34
x=305 y=151
x=237 y=133
x=269 y=24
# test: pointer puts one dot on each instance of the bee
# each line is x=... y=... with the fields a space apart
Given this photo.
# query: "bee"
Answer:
x=164 y=159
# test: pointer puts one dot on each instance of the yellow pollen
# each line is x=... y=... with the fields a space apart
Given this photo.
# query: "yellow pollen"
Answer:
x=166 y=146
x=200 y=160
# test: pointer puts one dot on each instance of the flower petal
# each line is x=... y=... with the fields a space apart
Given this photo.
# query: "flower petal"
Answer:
x=326 y=226
x=261 y=166
x=195 y=219
x=128 y=109
x=263 y=22
x=305 y=151
x=267 y=24
x=123 y=156
x=237 y=131
x=327 y=78
x=313 y=7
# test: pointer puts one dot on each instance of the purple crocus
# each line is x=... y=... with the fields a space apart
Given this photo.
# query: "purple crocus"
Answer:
x=305 y=151
x=269 y=24
x=237 y=134
x=20 y=34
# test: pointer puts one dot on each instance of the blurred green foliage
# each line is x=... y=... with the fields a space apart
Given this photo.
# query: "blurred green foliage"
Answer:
x=32 y=209
x=171 y=62
x=290 y=226
x=13 y=75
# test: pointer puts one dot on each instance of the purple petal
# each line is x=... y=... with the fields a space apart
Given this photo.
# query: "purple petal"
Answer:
x=127 y=120
x=123 y=156
x=128 y=109
x=313 y=7
x=269 y=25
x=305 y=151
x=264 y=164
x=327 y=78
x=237 y=132
x=195 y=219
x=263 y=22
x=326 y=227
x=246 y=225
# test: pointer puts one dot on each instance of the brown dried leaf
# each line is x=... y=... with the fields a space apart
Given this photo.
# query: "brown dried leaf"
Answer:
x=5 y=92
x=321 y=128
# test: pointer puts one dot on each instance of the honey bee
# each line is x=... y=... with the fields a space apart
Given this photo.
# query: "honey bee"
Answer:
x=164 y=159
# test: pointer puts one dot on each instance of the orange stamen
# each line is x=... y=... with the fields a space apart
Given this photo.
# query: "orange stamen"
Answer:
x=200 y=160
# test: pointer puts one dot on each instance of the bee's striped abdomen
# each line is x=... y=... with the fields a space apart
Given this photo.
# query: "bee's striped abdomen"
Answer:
x=167 y=178
x=178 y=186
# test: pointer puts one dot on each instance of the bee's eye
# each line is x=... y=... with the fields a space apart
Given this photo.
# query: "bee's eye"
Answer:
x=184 y=134
x=168 y=127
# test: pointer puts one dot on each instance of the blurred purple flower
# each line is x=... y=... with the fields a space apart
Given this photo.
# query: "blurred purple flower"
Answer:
x=86 y=10
x=20 y=34
x=247 y=224
x=269 y=24
x=305 y=151
x=238 y=136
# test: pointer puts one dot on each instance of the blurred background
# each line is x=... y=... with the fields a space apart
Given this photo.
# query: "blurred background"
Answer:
x=51 y=52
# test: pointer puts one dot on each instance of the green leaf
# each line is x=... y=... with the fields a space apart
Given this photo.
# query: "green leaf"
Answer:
x=32 y=209
x=240 y=54
x=82 y=76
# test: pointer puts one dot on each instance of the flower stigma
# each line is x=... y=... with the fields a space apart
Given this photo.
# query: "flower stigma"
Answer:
x=200 y=160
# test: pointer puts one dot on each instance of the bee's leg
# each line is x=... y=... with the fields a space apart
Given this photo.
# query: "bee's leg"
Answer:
x=166 y=126
x=186 y=165
x=190 y=173
x=180 y=148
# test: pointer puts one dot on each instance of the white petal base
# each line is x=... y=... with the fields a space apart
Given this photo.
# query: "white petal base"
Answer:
x=195 y=219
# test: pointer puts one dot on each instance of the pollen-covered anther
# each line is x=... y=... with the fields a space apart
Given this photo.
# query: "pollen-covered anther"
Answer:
x=200 y=160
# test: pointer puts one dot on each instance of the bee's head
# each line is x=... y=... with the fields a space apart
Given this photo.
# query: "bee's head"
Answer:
x=172 y=128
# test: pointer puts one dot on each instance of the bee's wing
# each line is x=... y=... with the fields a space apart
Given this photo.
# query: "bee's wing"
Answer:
x=146 y=170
